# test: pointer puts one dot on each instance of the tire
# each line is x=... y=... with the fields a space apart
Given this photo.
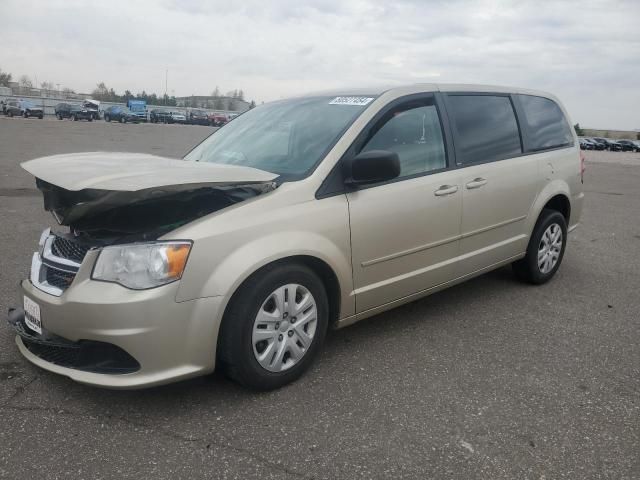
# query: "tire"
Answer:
x=59 y=116
x=123 y=120
x=107 y=118
x=75 y=118
x=237 y=352
x=10 y=113
x=26 y=114
x=528 y=269
x=90 y=119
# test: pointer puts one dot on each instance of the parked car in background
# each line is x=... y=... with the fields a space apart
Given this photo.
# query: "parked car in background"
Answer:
x=159 y=115
x=585 y=144
x=217 y=119
x=629 y=145
x=23 y=108
x=177 y=116
x=596 y=145
x=80 y=112
x=63 y=110
x=155 y=280
x=120 y=114
x=93 y=107
x=138 y=108
x=614 y=146
x=608 y=143
x=197 y=117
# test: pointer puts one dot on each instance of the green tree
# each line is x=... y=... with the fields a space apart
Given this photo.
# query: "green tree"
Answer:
x=252 y=105
x=216 y=92
x=578 y=130
x=5 y=78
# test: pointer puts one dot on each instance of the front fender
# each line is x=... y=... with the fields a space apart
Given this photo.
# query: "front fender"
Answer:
x=228 y=249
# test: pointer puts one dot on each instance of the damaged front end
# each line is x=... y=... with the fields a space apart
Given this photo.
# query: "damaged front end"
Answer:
x=129 y=197
x=109 y=199
x=114 y=216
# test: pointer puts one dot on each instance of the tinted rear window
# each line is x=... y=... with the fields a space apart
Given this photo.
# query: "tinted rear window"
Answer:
x=545 y=123
x=486 y=128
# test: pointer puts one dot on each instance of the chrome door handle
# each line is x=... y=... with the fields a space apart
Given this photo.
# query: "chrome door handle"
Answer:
x=476 y=183
x=446 y=190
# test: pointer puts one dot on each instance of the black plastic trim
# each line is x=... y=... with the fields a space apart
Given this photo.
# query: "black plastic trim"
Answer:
x=85 y=355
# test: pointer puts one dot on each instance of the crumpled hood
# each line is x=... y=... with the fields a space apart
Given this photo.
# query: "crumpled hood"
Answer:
x=122 y=194
x=130 y=172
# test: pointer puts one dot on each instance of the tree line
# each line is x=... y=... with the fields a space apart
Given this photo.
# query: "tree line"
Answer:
x=105 y=94
x=219 y=101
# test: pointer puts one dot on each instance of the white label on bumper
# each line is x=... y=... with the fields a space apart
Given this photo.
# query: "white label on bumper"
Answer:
x=32 y=315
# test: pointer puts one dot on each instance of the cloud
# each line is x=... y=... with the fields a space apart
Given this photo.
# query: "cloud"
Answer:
x=585 y=52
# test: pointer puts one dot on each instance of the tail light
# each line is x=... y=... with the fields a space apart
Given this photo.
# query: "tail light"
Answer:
x=582 y=167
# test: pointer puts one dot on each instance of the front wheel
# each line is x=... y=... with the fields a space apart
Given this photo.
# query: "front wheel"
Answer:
x=274 y=327
x=545 y=250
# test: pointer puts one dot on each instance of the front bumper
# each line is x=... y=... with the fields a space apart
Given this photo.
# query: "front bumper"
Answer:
x=168 y=340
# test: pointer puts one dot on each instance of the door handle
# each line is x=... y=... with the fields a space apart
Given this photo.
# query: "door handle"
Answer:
x=446 y=190
x=476 y=183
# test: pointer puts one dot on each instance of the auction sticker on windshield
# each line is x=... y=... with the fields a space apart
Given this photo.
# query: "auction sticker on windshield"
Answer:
x=360 y=101
x=32 y=315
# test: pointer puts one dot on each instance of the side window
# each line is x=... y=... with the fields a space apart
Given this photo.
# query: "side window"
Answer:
x=486 y=128
x=545 y=123
x=413 y=132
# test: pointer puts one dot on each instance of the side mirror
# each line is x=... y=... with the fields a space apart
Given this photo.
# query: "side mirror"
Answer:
x=372 y=167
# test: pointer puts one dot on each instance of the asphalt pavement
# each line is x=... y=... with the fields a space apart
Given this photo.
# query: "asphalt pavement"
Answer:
x=489 y=379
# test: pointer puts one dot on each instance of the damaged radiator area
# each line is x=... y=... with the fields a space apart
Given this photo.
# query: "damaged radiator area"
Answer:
x=115 y=216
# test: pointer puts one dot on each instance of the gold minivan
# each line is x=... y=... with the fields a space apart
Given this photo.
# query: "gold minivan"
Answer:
x=297 y=216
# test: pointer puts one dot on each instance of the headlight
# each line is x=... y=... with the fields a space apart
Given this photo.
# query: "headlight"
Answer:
x=142 y=265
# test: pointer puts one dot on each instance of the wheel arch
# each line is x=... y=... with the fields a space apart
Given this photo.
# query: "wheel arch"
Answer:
x=559 y=203
x=322 y=269
x=555 y=196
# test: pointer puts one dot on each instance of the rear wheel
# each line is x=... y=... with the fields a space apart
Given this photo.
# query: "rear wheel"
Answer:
x=545 y=250
x=274 y=327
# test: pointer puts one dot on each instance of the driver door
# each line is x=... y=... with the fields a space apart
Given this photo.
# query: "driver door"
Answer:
x=405 y=233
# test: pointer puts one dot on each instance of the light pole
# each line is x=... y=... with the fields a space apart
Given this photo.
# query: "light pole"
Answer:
x=166 y=76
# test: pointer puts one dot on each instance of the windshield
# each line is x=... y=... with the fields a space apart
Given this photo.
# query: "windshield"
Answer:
x=287 y=137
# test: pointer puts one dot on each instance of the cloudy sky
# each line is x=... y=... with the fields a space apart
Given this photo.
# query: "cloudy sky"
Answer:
x=586 y=52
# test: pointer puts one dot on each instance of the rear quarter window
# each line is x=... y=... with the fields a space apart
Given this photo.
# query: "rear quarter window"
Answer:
x=485 y=128
x=545 y=124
